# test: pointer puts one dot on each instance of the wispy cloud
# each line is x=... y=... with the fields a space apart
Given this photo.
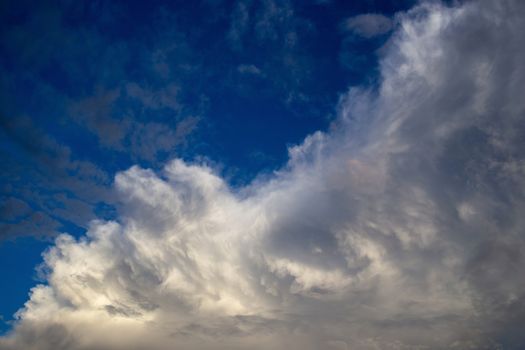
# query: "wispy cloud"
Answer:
x=368 y=25
x=249 y=69
x=41 y=179
x=279 y=36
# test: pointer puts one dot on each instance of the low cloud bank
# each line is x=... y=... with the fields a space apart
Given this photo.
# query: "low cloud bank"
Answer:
x=401 y=228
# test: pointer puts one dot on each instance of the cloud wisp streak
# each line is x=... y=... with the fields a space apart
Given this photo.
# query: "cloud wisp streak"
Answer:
x=401 y=228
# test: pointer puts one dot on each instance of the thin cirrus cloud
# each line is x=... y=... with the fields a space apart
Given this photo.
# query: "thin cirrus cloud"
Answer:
x=401 y=228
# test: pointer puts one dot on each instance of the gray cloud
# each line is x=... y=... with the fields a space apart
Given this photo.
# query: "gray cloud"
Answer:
x=61 y=188
x=145 y=139
x=401 y=228
x=249 y=69
x=95 y=112
x=165 y=97
x=368 y=25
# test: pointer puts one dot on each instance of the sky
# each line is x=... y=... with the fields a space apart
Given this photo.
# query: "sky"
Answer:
x=262 y=174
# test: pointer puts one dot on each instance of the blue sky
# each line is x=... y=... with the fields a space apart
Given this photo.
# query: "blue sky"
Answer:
x=201 y=164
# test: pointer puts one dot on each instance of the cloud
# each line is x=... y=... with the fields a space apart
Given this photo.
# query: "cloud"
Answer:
x=95 y=112
x=249 y=69
x=368 y=25
x=279 y=38
x=40 y=179
x=84 y=108
x=165 y=97
x=144 y=140
x=401 y=228
x=148 y=140
x=239 y=25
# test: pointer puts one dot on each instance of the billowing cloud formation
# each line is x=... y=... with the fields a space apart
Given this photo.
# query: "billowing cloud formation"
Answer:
x=401 y=228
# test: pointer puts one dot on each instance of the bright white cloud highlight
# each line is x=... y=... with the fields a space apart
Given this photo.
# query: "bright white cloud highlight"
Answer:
x=402 y=228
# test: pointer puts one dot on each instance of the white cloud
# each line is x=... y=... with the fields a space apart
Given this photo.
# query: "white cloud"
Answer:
x=402 y=228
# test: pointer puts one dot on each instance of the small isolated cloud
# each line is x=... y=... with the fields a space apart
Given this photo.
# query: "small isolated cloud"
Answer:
x=249 y=69
x=368 y=25
x=401 y=228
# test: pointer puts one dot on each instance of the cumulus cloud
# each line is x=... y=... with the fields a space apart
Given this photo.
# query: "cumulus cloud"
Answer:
x=401 y=228
x=368 y=25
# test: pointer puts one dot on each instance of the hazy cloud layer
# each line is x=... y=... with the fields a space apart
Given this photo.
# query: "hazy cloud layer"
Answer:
x=401 y=228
